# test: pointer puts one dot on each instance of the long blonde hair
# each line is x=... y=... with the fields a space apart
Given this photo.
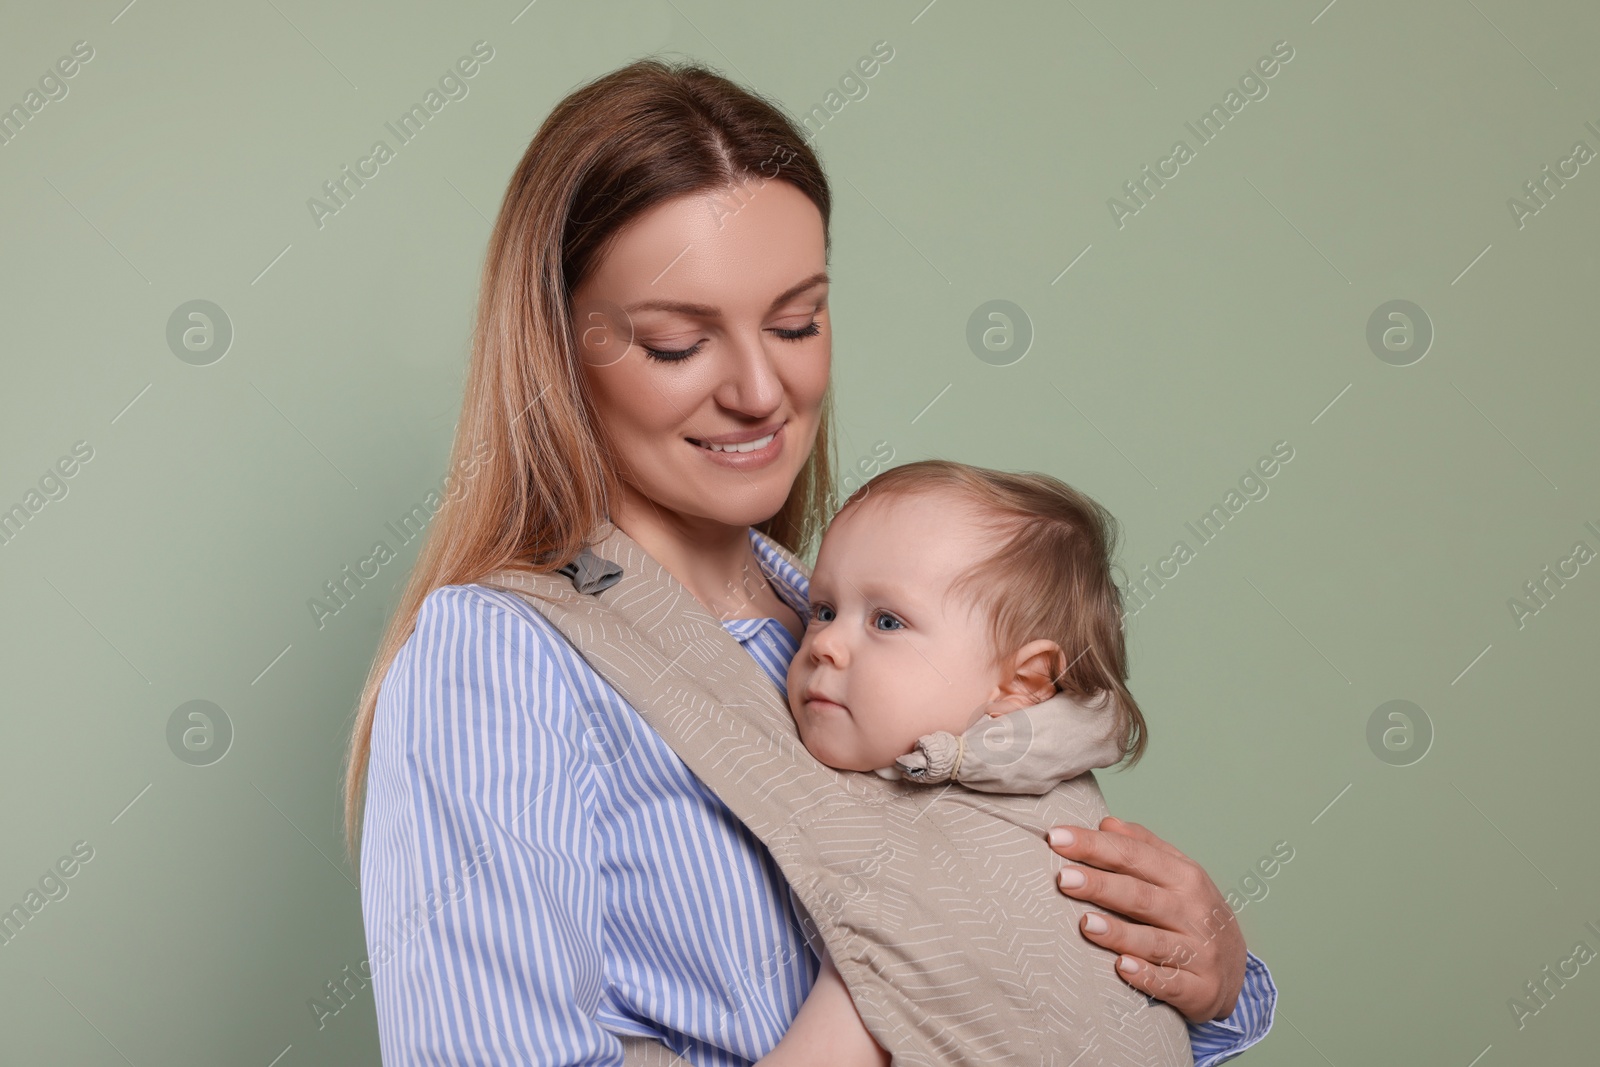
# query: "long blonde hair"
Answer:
x=539 y=476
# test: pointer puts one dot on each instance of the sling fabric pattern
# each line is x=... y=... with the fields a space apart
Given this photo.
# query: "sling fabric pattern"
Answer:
x=938 y=905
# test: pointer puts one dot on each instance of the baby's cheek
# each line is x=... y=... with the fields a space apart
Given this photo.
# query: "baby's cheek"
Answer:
x=892 y=731
x=795 y=679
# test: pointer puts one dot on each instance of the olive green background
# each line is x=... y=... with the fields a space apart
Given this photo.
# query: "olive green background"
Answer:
x=1228 y=314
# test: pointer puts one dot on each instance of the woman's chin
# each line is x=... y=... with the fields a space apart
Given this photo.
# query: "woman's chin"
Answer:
x=749 y=509
x=742 y=498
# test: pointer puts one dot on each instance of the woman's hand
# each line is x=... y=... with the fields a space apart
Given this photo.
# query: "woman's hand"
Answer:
x=1185 y=947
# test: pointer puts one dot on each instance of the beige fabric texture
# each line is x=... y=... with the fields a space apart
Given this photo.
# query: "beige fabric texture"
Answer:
x=938 y=905
x=1031 y=749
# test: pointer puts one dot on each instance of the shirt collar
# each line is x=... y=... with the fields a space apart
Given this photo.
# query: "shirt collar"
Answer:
x=788 y=581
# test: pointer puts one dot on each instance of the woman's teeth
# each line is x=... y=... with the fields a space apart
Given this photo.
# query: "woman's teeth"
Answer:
x=743 y=446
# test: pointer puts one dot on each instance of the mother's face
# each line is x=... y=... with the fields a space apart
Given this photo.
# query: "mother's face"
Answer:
x=706 y=323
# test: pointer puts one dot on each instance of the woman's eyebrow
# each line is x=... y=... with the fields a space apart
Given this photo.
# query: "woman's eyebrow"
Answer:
x=706 y=311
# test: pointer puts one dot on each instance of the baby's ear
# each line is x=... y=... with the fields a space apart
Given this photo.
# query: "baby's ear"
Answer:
x=1029 y=675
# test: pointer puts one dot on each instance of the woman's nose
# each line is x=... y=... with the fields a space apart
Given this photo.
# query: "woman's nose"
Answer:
x=751 y=384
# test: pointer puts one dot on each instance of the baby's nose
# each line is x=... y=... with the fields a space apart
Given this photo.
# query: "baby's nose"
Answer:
x=827 y=645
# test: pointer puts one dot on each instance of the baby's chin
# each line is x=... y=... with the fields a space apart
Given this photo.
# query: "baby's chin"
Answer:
x=834 y=748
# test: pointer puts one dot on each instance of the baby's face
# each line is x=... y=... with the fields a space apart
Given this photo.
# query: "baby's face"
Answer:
x=885 y=658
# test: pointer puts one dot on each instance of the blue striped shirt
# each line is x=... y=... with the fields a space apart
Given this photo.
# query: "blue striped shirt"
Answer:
x=541 y=872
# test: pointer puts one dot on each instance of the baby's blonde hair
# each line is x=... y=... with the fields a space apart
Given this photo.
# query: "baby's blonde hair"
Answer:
x=1049 y=575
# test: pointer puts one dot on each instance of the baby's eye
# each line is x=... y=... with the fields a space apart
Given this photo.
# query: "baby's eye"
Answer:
x=822 y=613
x=885 y=617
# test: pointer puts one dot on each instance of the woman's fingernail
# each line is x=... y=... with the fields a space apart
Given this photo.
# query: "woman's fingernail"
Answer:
x=1071 y=878
x=1060 y=835
x=1128 y=965
x=1095 y=924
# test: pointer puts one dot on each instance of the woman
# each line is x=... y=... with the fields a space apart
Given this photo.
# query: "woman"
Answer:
x=540 y=872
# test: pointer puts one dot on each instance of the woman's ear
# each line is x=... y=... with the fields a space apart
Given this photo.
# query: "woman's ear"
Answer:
x=1028 y=676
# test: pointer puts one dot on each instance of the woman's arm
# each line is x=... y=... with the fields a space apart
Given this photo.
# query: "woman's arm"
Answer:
x=480 y=877
x=827 y=1031
x=1177 y=936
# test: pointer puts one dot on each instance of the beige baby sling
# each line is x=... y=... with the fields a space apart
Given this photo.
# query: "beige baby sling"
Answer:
x=938 y=904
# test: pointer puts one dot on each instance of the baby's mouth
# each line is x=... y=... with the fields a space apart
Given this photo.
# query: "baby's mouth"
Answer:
x=817 y=700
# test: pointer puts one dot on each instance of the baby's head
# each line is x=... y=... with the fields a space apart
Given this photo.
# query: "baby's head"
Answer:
x=943 y=592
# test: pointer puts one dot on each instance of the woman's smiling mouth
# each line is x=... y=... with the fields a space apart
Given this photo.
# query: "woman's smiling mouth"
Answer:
x=729 y=450
x=747 y=446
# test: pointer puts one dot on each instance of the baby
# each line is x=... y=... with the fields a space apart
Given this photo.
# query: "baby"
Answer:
x=965 y=629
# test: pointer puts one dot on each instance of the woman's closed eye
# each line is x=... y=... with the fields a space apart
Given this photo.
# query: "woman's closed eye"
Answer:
x=810 y=329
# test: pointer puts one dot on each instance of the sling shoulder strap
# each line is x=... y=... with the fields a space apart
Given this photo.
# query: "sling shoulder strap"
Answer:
x=938 y=905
